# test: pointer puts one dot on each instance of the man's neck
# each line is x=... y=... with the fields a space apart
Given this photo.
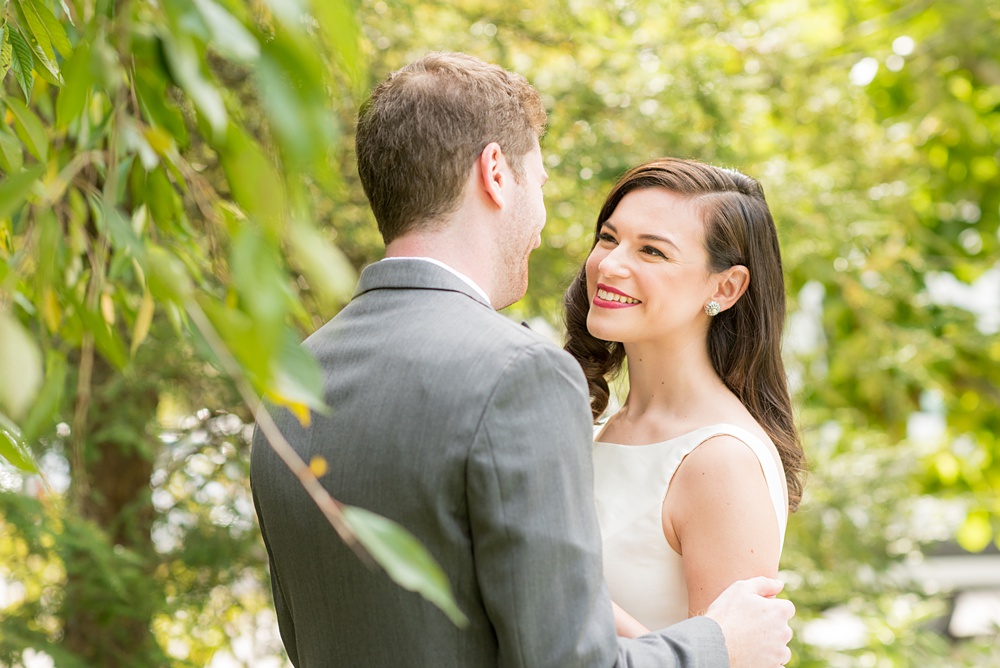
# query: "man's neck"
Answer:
x=429 y=260
x=464 y=257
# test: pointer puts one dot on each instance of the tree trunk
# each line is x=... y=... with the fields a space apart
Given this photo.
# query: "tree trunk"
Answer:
x=109 y=599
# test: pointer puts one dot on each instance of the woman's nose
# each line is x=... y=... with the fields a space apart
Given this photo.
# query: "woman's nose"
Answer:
x=613 y=264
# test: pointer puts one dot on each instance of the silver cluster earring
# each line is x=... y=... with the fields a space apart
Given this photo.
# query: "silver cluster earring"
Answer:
x=712 y=308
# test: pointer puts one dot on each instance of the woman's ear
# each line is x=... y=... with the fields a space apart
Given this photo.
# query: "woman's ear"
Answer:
x=732 y=283
x=492 y=177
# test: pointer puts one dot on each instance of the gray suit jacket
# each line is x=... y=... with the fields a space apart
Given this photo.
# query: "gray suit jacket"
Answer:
x=473 y=433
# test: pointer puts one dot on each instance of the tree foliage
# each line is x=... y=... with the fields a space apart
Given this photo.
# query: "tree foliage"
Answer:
x=873 y=128
x=159 y=243
x=179 y=205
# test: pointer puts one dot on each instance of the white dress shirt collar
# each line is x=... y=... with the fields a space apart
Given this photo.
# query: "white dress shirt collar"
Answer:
x=471 y=283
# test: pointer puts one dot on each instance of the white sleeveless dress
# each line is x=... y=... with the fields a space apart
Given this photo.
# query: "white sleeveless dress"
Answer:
x=644 y=574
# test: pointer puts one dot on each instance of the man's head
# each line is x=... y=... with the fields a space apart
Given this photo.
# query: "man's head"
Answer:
x=424 y=127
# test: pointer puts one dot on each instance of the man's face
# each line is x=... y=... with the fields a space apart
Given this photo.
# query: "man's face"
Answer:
x=523 y=231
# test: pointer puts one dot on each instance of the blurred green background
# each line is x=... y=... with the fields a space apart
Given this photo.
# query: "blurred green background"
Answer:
x=179 y=206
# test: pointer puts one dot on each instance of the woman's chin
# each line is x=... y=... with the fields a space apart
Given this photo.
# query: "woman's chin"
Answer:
x=599 y=332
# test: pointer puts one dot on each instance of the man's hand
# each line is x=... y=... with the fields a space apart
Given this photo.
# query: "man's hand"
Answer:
x=754 y=623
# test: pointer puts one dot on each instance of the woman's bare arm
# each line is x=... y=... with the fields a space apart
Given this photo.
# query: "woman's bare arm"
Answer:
x=719 y=516
x=626 y=625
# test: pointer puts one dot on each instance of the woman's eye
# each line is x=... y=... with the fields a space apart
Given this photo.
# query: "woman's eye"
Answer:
x=604 y=236
x=652 y=251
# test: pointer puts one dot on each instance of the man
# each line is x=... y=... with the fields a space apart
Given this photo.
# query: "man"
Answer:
x=465 y=428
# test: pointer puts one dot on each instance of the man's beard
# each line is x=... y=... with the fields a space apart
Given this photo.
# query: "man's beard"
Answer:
x=513 y=284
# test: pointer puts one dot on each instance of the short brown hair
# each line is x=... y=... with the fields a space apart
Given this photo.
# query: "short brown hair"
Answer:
x=744 y=341
x=422 y=129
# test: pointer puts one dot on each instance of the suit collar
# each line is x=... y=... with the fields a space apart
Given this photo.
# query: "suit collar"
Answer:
x=412 y=274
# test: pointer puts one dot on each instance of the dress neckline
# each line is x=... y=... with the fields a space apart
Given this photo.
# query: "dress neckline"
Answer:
x=687 y=441
x=743 y=431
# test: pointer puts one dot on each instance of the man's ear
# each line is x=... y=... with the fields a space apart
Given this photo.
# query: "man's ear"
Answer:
x=492 y=177
x=732 y=283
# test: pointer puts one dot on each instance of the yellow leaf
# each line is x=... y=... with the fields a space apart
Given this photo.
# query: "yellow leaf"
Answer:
x=108 y=308
x=301 y=413
x=297 y=408
x=143 y=319
x=159 y=139
x=140 y=217
x=318 y=466
x=51 y=313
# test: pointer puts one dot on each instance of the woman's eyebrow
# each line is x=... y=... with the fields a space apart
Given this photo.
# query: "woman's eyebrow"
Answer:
x=653 y=237
x=644 y=237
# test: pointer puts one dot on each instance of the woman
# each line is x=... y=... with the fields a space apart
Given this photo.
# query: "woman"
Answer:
x=695 y=474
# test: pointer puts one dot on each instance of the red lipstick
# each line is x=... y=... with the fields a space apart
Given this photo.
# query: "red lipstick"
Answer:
x=613 y=298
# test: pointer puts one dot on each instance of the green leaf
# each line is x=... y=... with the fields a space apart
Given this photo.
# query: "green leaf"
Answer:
x=20 y=366
x=168 y=279
x=79 y=80
x=281 y=99
x=151 y=80
x=39 y=24
x=6 y=52
x=163 y=201
x=44 y=59
x=229 y=37
x=15 y=188
x=186 y=68
x=241 y=336
x=295 y=96
x=30 y=21
x=289 y=12
x=46 y=405
x=255 y=183
x=327 y=269
x=29 y=129
x=258 y=276
x=107 y=341
x=13 y=448
x=118 y=229
x=106 y=64
x=54 y=32
x=49 y=70
x=152 y=91
x=49 y=247
x=11 y=155
x=338 y=21
x=295 y=377
x=404 y=559
x=22 y=62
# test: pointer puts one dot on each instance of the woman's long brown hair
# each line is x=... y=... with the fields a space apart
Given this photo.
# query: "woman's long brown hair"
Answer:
x=744 y=341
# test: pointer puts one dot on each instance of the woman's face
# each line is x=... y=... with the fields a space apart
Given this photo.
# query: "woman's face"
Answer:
x=648 y=277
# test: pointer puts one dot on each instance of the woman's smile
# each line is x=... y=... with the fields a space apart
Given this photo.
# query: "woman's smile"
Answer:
x=608 y=297
x=650 y=252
